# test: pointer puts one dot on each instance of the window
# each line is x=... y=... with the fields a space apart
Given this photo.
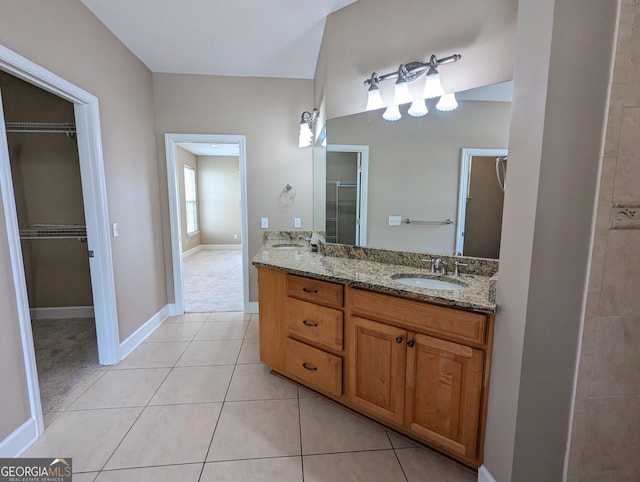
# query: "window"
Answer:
x=190 y=199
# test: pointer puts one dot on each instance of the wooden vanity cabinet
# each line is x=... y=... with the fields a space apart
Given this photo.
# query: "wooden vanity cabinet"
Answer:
x=419 y=368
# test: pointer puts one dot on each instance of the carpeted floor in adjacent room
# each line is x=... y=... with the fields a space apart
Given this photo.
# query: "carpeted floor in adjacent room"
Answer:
x=213 y=280
x=66 y=353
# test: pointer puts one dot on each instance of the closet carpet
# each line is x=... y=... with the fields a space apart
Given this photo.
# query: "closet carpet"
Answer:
x=66 y=354
x=213 y=280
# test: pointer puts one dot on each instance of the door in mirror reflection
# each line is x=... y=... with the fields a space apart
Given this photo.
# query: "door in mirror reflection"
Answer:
x=346 y=194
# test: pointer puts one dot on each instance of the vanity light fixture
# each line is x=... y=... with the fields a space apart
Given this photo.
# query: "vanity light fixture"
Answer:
x=405 y=74
x=307 y=123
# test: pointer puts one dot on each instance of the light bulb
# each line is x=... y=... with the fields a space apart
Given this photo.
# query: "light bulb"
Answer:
x=392 y=113
x=374 y=100
x=418 y=108
x=305 y=136
x=447 y=102
x=402 y=94
x=432 y=86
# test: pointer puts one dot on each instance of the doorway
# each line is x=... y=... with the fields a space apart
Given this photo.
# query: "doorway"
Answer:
x=480 y=204
x=218 y=236
x=347 y=168
x=86 y=114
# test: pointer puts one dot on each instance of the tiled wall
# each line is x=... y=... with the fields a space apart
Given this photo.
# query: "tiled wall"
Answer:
x=605 y=440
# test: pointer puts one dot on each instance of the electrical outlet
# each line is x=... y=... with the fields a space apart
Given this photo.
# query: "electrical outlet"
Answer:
x=395 y=220
x=297 y=222
x=235 y=236
x=116 y=230
x=264 y=223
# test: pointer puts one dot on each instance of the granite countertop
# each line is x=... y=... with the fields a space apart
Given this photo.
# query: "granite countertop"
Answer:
x=375 y=275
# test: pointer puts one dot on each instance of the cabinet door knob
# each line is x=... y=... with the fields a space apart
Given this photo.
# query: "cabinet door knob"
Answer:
x=308 y=323
x=399 y=339
x=308 y=367
x=410 y=343
x=310 y=291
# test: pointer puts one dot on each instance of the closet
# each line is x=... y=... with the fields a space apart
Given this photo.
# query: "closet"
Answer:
x=342 y=197
x=45 y=173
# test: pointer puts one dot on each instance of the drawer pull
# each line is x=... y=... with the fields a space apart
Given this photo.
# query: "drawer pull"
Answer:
x=309 y=324
x=310 y=291
x=308 y=367
x=399 y=339
x=411 y=343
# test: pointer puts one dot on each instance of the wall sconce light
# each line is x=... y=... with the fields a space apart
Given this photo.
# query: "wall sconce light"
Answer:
x=307 y=123
x=408 y=73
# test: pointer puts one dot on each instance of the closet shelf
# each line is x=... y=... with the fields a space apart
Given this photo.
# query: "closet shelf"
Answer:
x=68 y=128
x=55 y=231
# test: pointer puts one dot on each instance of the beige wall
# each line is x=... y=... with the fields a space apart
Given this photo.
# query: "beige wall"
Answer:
x=378 y=35
x=65 y=38
x=605 y=440
x=219 y=199
x=186 y=158
x=46 y=184
x=414 y=168
x=558 y=114
x=266 y=111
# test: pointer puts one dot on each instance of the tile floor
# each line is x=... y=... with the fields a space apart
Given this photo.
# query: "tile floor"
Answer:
x=193 y=403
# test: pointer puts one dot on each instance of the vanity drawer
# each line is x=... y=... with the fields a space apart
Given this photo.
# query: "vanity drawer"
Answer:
x=319 y=369
x=419 y=316
x=315 y=291
x=314 y=323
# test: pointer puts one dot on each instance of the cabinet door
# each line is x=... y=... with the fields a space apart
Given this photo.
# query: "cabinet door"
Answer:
x=272 y=291
x=444 y=387
x=377 y=363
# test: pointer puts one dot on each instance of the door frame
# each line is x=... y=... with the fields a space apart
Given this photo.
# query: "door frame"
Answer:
x=463 y=190
x=362 y=196
x=89 y=137
x=171 y=142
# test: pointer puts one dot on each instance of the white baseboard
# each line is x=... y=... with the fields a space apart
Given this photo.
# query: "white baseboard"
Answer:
x=190 y=251
x=484 y=475
x=138 y=336
x=57 y=313
x=253 y=307
x=220 y=246
x=19 y=440
x=173 y=310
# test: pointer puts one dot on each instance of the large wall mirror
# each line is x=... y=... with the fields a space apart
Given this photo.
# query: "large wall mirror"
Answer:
x=437 y=171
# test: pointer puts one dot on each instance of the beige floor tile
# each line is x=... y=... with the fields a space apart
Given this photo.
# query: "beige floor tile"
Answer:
x=169 y=473
x=229 y=316
x=175 y=332
x=327 y=428
x=122 y=388
x=250 y=351
x=85 y=477
x=374 y=466
x=79 y=390
x=304 y=393
x=255 y=382
x=281 y=469
x=260 y=429
x=420 y=465
x=194 y=385
x=74 y=434
x=220 y=352
x=48 y=418
x=167 y=435
x=188 y=318
x=154 y=355
x=253 y=332
x=399 y=442
x=222 y=330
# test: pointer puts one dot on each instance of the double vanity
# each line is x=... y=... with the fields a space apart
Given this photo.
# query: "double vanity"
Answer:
x=383 y=334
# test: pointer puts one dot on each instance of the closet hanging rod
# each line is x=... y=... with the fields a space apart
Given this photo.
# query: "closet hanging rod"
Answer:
x=68 y=128
x=413 y=221
x=55 y=231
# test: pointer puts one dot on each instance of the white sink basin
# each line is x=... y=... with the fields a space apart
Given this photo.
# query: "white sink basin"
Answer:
x=287 y=246
x=424 y=282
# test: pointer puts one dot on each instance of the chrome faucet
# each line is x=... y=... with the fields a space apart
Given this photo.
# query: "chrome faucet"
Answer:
x=439 y=265
x=456 y=271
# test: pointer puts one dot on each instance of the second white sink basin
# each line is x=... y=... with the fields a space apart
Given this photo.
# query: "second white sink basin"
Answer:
x=424 y=282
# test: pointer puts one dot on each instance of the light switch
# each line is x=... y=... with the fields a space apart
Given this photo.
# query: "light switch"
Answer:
x=395 y=220
x=297 y=222
x=116 y=230
x=264 y=223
